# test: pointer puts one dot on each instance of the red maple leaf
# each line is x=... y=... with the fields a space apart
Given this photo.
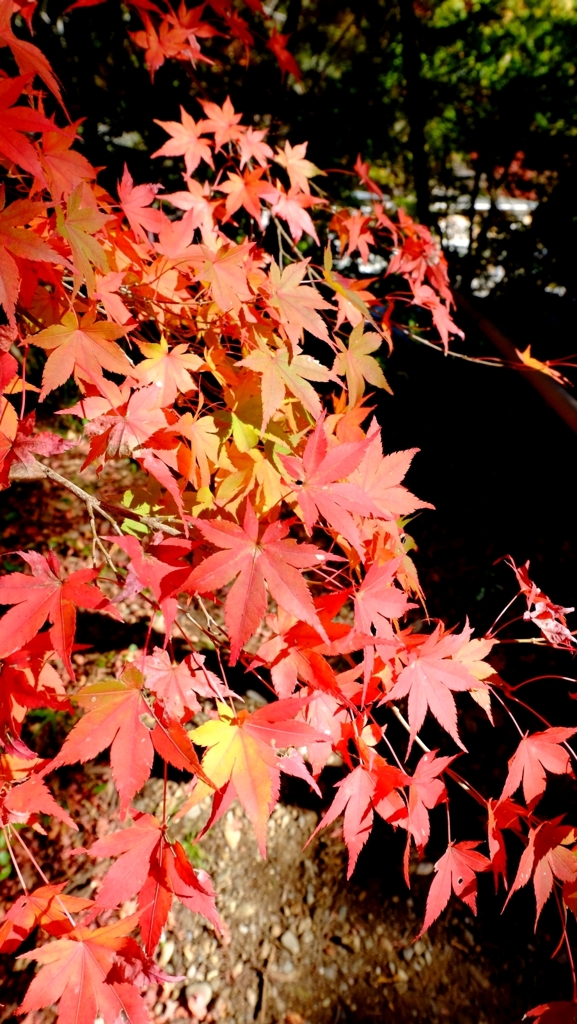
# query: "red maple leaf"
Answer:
x=288 y=653
x=238 y=28
x=22 y=449
x=28 y=680
x=148 y=568
x=359 y=794
x=125 y=426
x=456 y=872
x=115 y=709
x=535 y=753
x=252 y=146
x=170 y=42
x=319 y=482
x=380 y=477
x=286 y=61
x=26 y=800
x=377 y=600
x=75 y=971
x=546 y=857
x=46 y=595
x=292 y=207
x=8 y=370
x=274 y=560
x=177 y=685
x=30 y=60
x=362 y=169
x=14 y=122
x=147 y=863
x=247 y=191
x=554 y=1013
x=426 y=790
x=224 y=271
x=549 y=617
x=206 y=683
x=106 y=292
x=64 y=167
x=117 y=713
x=223 y=121
x=172 y=742
x=17 y=240
x=168 y=369
x=429 y=679
x=419 y=258
x=294 y=305
x=46 y=907
x=135 y=202
x=186 y=141
x=83 y=348
x=502 y=814
x=173 y=684
x=353 y=232
x=427 y=298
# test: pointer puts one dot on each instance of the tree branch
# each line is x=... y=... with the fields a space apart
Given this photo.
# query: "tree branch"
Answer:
x=105 y=508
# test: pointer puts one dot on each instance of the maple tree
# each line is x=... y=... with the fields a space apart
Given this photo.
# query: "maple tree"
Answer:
x=182 y=335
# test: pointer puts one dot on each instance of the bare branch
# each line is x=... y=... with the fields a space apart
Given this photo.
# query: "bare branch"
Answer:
x=102 y=507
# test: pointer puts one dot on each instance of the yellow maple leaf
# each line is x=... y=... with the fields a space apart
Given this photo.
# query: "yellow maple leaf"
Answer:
x=233 y=755
x=358 y=365
x=536 y=364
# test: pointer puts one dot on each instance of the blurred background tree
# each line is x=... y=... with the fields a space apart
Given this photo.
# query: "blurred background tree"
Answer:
x=466 y=110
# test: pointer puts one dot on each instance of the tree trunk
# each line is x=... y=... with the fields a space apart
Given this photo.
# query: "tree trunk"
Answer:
x=415 y=106
x=294 y=9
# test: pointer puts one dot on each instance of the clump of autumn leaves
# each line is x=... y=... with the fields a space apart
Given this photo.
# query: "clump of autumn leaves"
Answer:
x=185 y=336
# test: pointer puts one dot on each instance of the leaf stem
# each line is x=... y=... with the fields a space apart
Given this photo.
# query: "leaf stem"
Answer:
x=23 y=399
x=536 y=679
x=466 y=786
x=13 y=859
x=509 y=712
x=44 y=878
x=164 y=788
x=563 y=916
x=489 y=632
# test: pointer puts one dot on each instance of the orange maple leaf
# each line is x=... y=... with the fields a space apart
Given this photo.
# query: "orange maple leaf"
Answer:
x=83 y=348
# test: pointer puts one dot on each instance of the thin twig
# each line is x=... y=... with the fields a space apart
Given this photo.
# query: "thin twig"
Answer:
x=89 y=500
x=44 y=878
x=95 y=505
x=23 y=400
x=97 y=543
x=479 y=360
x=214 y=639
x=164 y=789
x=13 y=859
x=466 y=786
x=510 y=713
x=208 y=616
x=489 y=632
x=563 y=916
x=406 y=726
x=535 y=679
